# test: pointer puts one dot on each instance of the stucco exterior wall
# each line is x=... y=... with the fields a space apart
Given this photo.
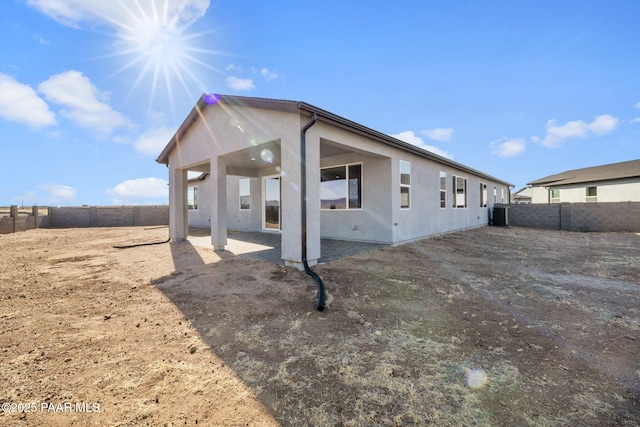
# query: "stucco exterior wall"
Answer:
x=381 y=219
x=235 y=129
x=216 y=143
x=425 y=216
x=201 y=217
x=372 y=223
x=249 y=219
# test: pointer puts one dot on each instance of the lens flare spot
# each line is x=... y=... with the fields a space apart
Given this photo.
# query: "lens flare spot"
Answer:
x=266 y=155
x=476 y=378
x=211 y=98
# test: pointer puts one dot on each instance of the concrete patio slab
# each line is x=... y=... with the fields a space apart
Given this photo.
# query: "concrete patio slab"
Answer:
x=267 y=246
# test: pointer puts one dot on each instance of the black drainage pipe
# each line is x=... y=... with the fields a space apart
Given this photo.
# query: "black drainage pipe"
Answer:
x=303 y=210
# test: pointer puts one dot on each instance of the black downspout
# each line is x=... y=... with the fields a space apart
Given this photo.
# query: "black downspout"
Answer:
x=303 y=209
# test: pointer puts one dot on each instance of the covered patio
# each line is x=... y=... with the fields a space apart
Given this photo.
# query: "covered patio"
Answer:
x=267 y=246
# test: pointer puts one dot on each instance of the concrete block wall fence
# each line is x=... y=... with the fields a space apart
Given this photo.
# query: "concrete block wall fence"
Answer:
x=108 y=216
x=86 y=216
x=615 y=216
x=22 y=222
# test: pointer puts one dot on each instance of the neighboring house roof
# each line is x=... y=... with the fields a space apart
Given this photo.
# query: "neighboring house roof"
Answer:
x=200 y=177
x=308 y=109
x=610 y=172
x=523 y=193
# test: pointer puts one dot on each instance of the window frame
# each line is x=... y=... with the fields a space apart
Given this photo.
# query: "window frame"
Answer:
x=455 y=192
x=443 y=191
x=553 y=199
x=240 y=195
x=192 y=189
x=483 y=195
x=591 y=197
x=406 y=186
x=347 y=179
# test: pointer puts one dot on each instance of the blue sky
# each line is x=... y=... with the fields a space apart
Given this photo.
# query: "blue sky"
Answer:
x=91 y=91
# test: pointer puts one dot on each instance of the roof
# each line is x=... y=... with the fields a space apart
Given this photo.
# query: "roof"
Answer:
x=610 y=172
x=523 y=192
x=308 y=109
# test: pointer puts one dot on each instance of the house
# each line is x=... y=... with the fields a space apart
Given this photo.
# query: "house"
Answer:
x=288 y=167
x=522 y=196
x=615 y=182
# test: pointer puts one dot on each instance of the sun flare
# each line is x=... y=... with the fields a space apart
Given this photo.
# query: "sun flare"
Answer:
x=159 y=47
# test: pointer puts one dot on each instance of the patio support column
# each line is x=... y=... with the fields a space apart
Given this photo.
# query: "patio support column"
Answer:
x=219 y=203
x=313 y=196
x=291 y=200
x=178 y=214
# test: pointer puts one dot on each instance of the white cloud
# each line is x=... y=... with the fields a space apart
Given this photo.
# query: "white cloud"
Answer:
x=20 y=103
x=268 y=74
x=58 y=193
x=637 y=105
x=439 y=134
x=412 y=138
x=83 y=103
x=139 y=190
x=41 y=39
x=603 y=124
x=506 y=148
x=73 y=13
x=240 y=84
x=556 y=134
x=636 y=120
x=234 y=68
x=153 y=141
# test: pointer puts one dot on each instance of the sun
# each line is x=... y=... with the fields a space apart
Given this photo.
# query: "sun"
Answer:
x=160 y=47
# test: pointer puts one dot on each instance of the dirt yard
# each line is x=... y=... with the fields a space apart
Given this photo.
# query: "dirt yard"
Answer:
x=494 y=326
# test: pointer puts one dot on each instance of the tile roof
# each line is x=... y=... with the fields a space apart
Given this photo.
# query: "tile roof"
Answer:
x=610 y=172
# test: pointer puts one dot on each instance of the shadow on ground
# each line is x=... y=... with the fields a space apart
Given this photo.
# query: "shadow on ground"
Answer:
x=548 y=320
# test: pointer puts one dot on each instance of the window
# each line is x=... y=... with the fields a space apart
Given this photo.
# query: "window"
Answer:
x=483 y=195
x=405 y=185
x=245 y=194
x=341 y=187
x=592 y=194
x=502 y=195
x=459 y=192
x=555 y=196
x=192 y=198
x=443 y=189
x=495 y=195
